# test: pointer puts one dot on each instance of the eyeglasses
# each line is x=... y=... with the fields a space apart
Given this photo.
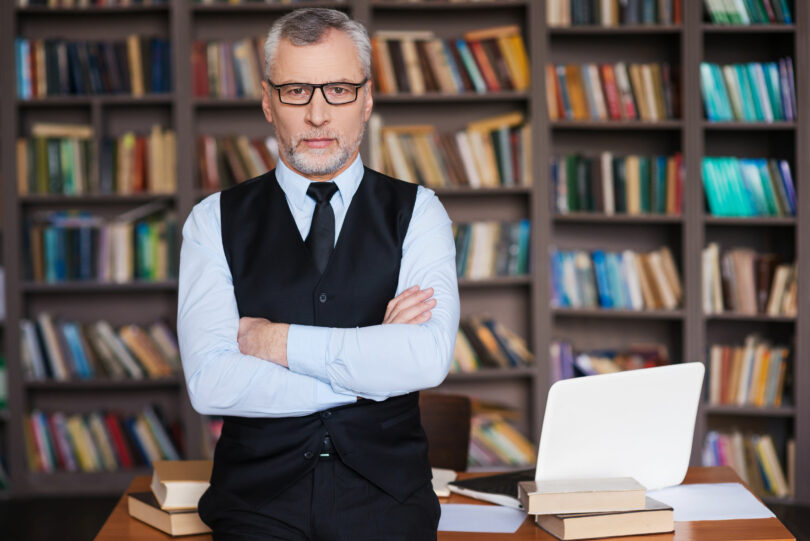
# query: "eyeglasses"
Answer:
x=333 y=93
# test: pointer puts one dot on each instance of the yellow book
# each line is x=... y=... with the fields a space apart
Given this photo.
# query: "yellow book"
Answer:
x=493 y=32
x=633 y=193
x=22 y=165
x=637 y=82
x=508 y=120
x=135 y=64
x=762 y=378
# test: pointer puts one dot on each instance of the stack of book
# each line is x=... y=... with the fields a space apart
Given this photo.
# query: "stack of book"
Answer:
x=488 y=249
x=98 y=441
x=565 y=364
x=649 y=92
x=743 y=187
x=745 y=282
x=225 y=161
x=55 y=67
x=225 y=69
x=61 y=159
x=755 y=459
x=611 y=184
x=589 y=508
x=753 y=92
x=490 y=153
x=749 y=12
x=67 y=350
x=563 y=13
x=751 y=375
x=494 y=442
x=483 y=342
x=171 y=503
x=416 y=61
x=626 y=280
x=62 y=246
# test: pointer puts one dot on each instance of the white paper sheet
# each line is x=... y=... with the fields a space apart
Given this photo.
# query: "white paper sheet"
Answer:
x=461 y=517
x=717 y=501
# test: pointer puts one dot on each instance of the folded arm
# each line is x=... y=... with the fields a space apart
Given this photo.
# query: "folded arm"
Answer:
x=385 y=360
x=220 y=379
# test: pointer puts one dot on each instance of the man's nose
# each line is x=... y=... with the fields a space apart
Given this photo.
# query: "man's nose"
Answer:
x=318 y=109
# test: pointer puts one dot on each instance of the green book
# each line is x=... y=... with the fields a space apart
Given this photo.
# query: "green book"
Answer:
x=748 y=70
x=68 y=167
x=571 y=162
x=710 y=184
x=747 y=93
x=770 y=194
x=645 y=182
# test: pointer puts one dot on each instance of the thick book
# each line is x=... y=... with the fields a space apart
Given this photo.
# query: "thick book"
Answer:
x=144 y=507
x=500 y=489
x=581 y=495
x=179 y=484
x=656 y=517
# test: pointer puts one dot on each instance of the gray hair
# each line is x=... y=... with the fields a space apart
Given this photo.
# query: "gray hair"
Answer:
x=307 y=26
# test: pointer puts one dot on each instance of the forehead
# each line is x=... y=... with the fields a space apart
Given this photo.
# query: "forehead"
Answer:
x=333 y=58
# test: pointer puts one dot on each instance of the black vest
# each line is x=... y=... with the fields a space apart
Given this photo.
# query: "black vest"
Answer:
x=275 y=277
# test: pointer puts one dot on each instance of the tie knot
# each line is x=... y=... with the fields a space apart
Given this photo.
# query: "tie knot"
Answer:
x=322 y=191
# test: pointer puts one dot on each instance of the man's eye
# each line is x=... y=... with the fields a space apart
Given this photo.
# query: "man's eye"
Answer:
x=297 y=90
x=339 y=89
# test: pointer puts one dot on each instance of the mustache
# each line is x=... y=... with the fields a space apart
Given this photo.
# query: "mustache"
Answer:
x=328 y=134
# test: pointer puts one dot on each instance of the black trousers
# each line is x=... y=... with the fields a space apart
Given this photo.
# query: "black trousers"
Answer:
x=331 y=503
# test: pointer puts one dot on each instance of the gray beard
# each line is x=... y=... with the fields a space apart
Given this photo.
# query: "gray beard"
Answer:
x=304 y=163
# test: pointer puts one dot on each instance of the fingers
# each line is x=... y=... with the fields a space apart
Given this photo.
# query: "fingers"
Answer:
x=392 y=304
x=413 y=306
x=408 y=301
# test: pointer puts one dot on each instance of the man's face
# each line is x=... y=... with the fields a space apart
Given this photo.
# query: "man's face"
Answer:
x=318 y=140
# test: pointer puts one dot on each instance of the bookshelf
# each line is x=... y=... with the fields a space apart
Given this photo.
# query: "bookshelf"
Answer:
x=521 y=303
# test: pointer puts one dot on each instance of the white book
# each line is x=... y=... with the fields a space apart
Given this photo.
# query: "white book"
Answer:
x=607 y=183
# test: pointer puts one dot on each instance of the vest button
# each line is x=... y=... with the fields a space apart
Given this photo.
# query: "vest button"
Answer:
x=326 y=415
x=322 y=297
x=308 y=455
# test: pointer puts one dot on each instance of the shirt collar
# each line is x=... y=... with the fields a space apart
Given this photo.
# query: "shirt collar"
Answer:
x=295 y=186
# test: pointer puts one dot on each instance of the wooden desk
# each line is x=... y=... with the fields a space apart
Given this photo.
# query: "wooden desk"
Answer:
x=120 y=527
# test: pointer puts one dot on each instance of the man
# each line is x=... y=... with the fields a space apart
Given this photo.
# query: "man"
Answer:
x=314 y=302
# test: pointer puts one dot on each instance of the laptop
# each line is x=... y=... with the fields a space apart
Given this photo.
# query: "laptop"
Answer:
x=638 y=423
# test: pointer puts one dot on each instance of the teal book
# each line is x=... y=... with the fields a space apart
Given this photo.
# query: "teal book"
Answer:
x=743 y=202
x=602 y=281
x=750 y=175
x=710 y=186
x=771 y=72
x=614 y=269
x=646 y=183
x=660 y=185
x=747 y=93
x=767 y=187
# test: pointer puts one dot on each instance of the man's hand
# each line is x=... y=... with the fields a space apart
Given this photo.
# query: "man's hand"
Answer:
x=263 y=339
x=411 y=306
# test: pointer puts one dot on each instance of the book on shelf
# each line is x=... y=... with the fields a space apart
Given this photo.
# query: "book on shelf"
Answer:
x=483 y=342
x=228 y=69
x=491 y=153
x=274 y=2
x=753 y=457
x=653 y=517
x=745 y=187
x=229 y=160
x=77 y=245
x=61 y=350
x=613 y=280
x=743 y=281
x=565 y=364
x=137 y=65
x=179 y=484
x=89 y=3
x=144 y=507
x=612 y=13
x=752 y=92
x=98 y=441
x=560 y=496
x=61 y=160
x=492 y=248
x=749 y=12
x=417 y=62
x=495 y=442
x=611 y=92
x=754 y=374
x=611 y=185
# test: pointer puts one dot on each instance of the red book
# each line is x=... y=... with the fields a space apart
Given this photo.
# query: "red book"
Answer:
x=199 y=69
x=486 y=69
x=121 y=450
x=611 y=92
x=677 y=10
x=139 y=165
x=515 y=151
x=60 y=457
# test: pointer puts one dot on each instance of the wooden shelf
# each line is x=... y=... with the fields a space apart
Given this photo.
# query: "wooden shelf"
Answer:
x=44 y=10
x=84 y=483
x=750 y=222
x=98 y=287
x=258 y=7
x=95 y=199
x=732 y=316
x=465 y=191
x=618 y=314
x=103 y=384
x=764 y=126
x=220 y=103
x=710 y=28
x=595 y=217
x=750 y=411
x=497 y=281
x=436 y=5
x=635 y=29
x=616 y=125
x=436 y=97
x=492 y=374
x=101 y=99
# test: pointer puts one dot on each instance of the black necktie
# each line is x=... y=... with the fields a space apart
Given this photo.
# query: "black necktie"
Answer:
x=321 y=238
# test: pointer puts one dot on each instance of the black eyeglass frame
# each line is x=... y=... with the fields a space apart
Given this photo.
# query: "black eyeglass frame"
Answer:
x=314 y=87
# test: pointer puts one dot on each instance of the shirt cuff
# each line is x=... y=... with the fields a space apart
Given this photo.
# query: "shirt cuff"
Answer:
x=307 y=350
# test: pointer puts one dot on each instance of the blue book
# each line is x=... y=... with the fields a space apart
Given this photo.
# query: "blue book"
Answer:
x=787 y=182
x=561 y=80
x=129 y=426
x=454 y=68
x=602 y=281
x=557 y=284
x=615 y=279
x=77 y=353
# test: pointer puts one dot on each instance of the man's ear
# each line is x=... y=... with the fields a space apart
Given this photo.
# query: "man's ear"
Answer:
x=368 y=104
x=266 y=97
